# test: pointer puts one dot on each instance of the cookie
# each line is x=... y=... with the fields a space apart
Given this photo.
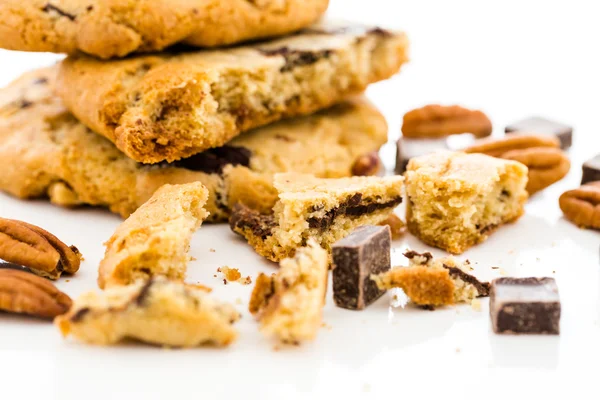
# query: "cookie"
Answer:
x=115 y=28
x=289 y=304
x=157 y=311
x=169 y=106
x=429 y=281
x=48 y=153
x=456 y=200
x=155 y=239
x=324 y=209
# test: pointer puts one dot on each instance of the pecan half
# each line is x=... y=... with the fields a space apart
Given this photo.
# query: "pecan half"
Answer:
x=542 y=155
x=397 y=226
x=582 y=205
x=24 y=293
x=34 y=248
x=546 y=165
x=367 y=165
x=434 y=121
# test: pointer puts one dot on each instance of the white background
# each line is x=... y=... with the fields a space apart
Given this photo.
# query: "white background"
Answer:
x=510 y=58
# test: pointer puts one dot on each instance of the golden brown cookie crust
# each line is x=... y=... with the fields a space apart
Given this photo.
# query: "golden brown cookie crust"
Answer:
x=48 y=153
x=115 y=28
x=171 y=106
x=155 y=239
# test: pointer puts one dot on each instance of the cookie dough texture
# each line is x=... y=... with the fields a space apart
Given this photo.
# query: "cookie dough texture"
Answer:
x=155 y=239
x=48 y=153
x=456 y=200
x=115 y=28
x=173 y=105
x=157 y=311
x=324 y=209
x=289 y=304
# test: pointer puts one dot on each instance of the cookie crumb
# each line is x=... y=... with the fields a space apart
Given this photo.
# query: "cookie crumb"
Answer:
x=234 y=275
x=458 y=349
x=193 y=259
x=495 y=267
x=224 y=281
x=476 y=304
x=212 y=250
x=200 y=286
x=67 y=280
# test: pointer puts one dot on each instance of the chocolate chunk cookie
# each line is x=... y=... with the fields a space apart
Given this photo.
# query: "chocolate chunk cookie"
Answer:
x=48 y=153
x=115 y=28
x=171 y=106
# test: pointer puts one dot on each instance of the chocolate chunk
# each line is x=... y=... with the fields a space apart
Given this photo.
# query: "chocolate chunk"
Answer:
x=40 y=81
x=244 y=217
x=591 y=170
x=364 y=252
x=408 y=148
x=295 y=58
x=425 y=257
x=542 y=126
x=144 y=292
x=525 y=305
x=214 y=160
x=483 y=288
x=80 y=314
x=49 y=7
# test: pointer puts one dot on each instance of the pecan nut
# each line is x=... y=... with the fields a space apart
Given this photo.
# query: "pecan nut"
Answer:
x=582 y=205
x=397 y=226
x=435 y=121
x=367 y=165
x=547 y=165
x=496 y=147
x=25 y=293
x=32 y=247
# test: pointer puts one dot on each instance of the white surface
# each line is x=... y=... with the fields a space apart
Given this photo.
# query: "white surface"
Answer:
x=512 y=59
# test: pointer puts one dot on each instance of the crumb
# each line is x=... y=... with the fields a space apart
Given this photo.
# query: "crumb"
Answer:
x=193 y=259
x=495 y=267
x=553 y=272
x=212 y=250
x=511 y=252
x=238 y=301
x=224 y=281
x=215 y=275
x=476 y=304
x=326 y=326
x=219 y=269
x=67 y=280
x=234 y=275
x=200 y=286
x=458 y=349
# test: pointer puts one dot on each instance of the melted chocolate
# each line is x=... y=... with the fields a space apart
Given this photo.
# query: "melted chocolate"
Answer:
x=295 y=58
x=244 y=217
x=213 y=161
x=483 y=288
x=49 y=7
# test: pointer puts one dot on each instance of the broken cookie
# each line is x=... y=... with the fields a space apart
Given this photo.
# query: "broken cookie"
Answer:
x=289 y=304
x=155 y=239
x=433 y=282
x=456 y=200
x=325 y=209
x=156 y=311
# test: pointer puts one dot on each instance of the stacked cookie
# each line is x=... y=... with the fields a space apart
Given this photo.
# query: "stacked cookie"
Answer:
x=112 y=123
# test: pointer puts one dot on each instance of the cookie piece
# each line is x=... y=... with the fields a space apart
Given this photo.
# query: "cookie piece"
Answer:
x=289 y=304
x=155 y=239
x=115 y=28
x=432 y=282
x=324 y=209
x=174 y=105
x=525 y=306
x=364 y=252
x=456 y=200
x=157 y=311
x=48 y=153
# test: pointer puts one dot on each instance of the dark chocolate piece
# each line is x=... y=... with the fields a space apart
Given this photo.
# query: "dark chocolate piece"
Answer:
x=591 y=170
x=213 y=161
x=49 y=7
x=364 y=252
x=483 y=288
x=296 y=58
x=244 y=217
x=144 y=292
x=80 y=314
x=542 y=126
x=408 y=148
x=525 y=305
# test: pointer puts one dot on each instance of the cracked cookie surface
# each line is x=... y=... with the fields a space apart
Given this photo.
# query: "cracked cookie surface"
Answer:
x=115 y=28
x=48 y=153
x=169 y=106
x=155 y=239
x=324 y=209
x=157 y=311
x=456 y=200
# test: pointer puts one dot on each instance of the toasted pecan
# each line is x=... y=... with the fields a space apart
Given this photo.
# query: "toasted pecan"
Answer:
x=367 y=165
x=582 y=205
x=25 y=293
x=397 y=226
x=435 y=121
x=495 y=147
x=547 y=165
x=34 y=248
